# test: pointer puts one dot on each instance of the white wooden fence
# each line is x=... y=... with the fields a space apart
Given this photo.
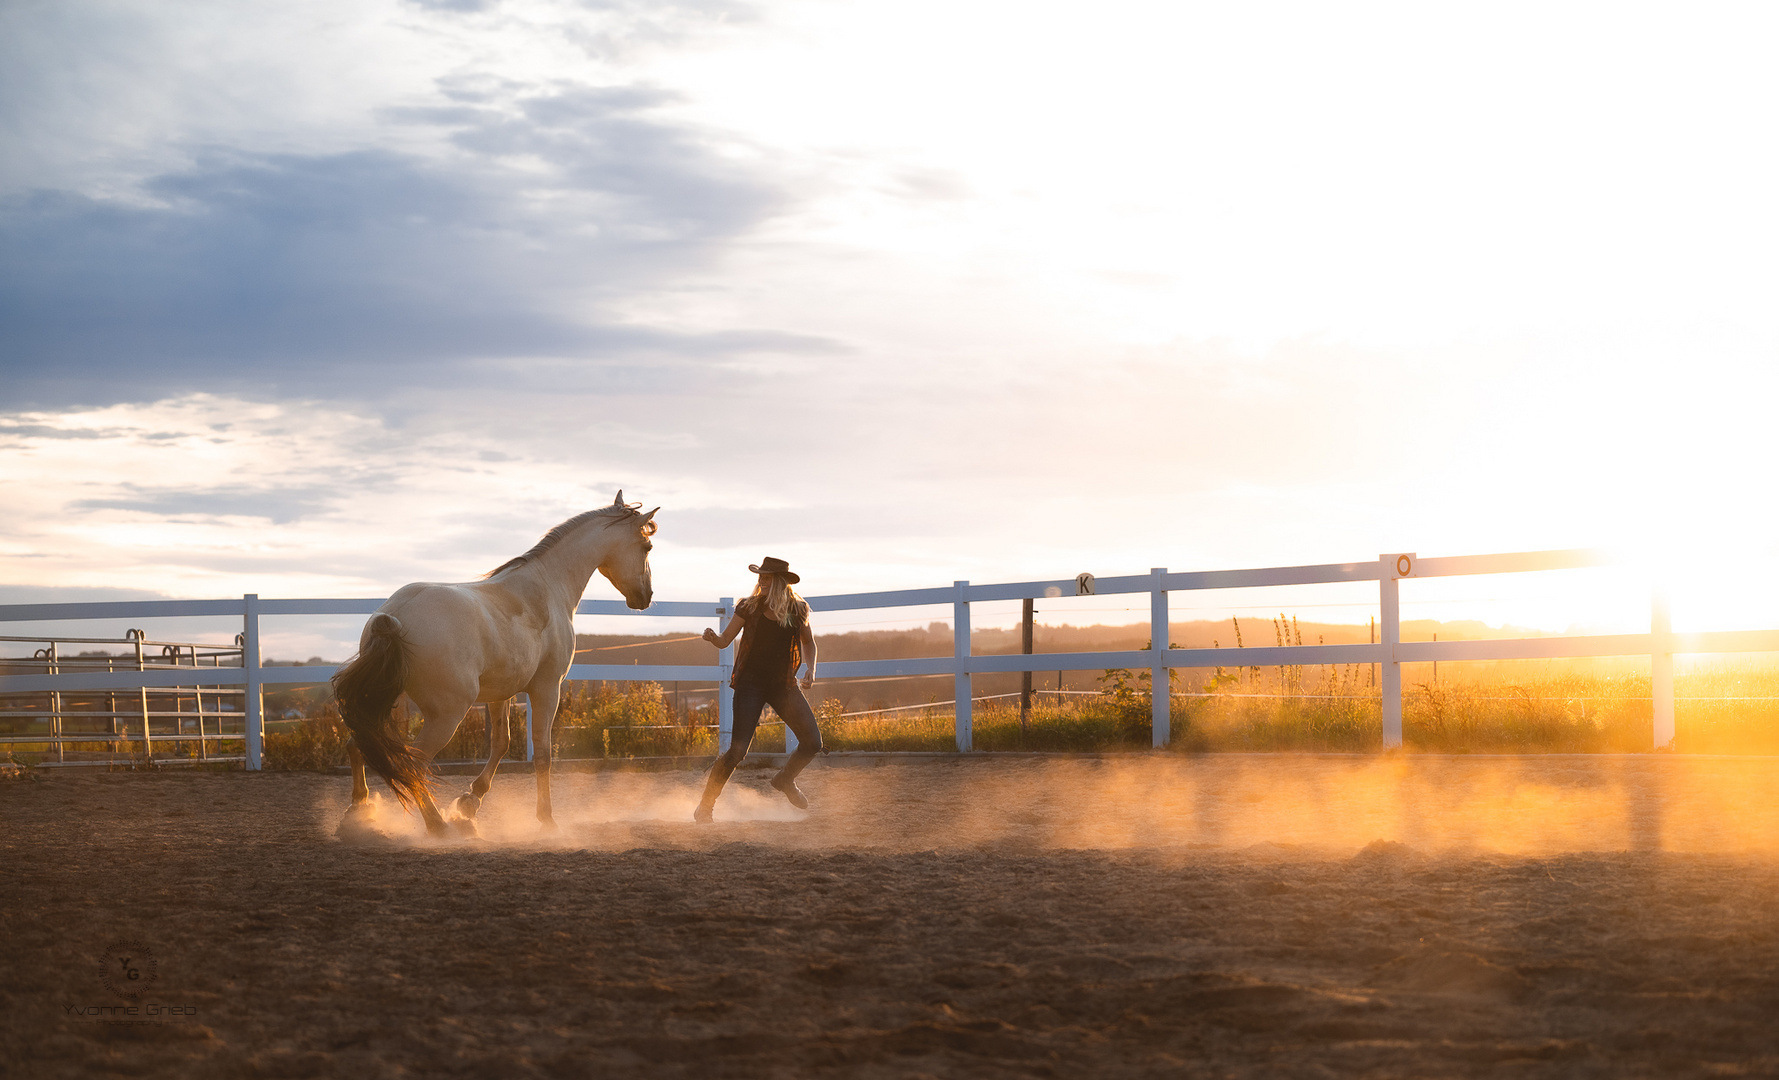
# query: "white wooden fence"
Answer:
x=1660 y=644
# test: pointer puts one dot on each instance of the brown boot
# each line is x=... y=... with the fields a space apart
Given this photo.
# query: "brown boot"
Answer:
x=791 y=791
x=713 y=786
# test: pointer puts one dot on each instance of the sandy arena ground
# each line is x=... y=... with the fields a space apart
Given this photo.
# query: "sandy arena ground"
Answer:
x=1139 y=916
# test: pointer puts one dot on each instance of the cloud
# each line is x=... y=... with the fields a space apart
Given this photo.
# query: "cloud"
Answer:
x=70 y=594
x=242 y=488
x=295 y=273
x=930 y=185
x=464 y=6
x=45 y=431
x=279 y=505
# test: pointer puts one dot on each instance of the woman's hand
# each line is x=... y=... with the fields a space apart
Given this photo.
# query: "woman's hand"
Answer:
x=711 y=636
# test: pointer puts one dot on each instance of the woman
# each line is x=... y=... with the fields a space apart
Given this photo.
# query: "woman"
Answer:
x=776 y=640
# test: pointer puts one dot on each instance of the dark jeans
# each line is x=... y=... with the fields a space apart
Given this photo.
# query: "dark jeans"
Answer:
x=790 y=705
x=787 y=701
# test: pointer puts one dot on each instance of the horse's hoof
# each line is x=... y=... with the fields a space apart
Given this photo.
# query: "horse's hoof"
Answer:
x=467 y=805
x=464 y=827
x=548 y=823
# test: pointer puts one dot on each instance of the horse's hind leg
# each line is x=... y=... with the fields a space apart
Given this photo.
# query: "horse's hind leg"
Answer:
x=544 y=699
x=498 y=737
x=360 y=790
x=435 y=731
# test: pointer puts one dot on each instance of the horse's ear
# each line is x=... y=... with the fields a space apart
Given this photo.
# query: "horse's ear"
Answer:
x=650 y=515
x=619 y=501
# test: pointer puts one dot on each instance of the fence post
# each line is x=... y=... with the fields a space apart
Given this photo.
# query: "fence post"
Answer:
x=142 y=696
x=790 y=737
x=251 y=705
x=1026 y=618
x=55 y=705
x=1661 y=668
x=1391 y=568
x=1160 y=693
x=960 y=651
x=725 y=661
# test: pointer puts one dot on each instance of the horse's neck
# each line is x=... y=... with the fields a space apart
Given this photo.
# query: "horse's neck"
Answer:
x=566 y=568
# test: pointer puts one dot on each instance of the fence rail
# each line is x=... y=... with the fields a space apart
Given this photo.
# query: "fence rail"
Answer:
x=1388 y=570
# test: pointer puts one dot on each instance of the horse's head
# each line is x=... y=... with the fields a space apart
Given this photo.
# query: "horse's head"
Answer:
x=626 y=564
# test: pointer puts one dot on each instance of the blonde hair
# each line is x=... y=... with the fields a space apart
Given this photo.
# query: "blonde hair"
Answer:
x=779 y=602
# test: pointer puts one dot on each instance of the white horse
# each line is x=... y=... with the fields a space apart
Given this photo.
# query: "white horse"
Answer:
x=450 y=647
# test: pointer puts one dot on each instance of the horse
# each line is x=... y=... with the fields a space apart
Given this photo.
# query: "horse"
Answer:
x=450 y=647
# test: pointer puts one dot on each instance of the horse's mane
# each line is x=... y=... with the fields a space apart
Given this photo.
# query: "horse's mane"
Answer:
x=617 y=513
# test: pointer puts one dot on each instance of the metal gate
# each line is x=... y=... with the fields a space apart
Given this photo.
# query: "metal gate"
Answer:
x=162 y=725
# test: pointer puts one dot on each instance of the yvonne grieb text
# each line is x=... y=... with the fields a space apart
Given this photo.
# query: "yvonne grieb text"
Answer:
x=148 y=1011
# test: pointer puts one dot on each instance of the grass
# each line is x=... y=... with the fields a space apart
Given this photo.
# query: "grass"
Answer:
x=1723 y=708
x=1077 y=724
x=1726 y=708
x=1719 y=709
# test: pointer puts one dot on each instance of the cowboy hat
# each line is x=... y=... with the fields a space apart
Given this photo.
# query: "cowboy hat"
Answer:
x=770 y=565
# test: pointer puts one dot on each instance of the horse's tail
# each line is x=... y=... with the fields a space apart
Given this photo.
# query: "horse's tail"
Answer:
x=366 y=687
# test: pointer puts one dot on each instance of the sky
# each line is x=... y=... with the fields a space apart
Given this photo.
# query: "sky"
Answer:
x=319 y=299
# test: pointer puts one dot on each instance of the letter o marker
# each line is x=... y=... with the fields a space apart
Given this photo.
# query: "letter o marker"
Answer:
x=1404 y=565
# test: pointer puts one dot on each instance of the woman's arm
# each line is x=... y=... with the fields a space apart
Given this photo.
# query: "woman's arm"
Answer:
x=808 y=645
x=722 y=640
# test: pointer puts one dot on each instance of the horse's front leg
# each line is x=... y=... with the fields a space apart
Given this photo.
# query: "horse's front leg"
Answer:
x=544 y=700
x=498 y=739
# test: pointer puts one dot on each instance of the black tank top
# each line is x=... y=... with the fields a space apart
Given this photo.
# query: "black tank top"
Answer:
x=769 y=651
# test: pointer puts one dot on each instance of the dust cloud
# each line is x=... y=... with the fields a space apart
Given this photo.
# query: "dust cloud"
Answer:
x=1314 y=805
x=588 y=815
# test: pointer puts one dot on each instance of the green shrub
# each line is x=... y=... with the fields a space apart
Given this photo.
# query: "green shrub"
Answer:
x=630 y=719
x=310 y=745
